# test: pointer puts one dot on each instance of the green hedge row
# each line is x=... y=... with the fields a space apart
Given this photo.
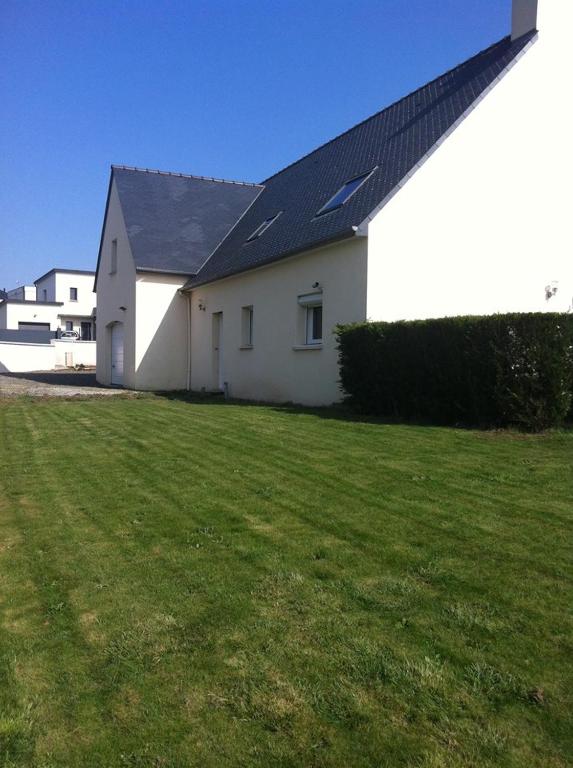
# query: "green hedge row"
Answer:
x=500 y=370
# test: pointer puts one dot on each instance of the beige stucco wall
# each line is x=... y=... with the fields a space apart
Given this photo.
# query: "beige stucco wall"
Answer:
x=162 y=338
x=115 y=291
x=486 y=224
x=272 y=370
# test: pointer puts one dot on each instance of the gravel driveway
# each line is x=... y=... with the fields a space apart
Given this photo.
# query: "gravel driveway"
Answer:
x=55 y=384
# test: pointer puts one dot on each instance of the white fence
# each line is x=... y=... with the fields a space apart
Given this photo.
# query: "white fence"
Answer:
x=18 y=357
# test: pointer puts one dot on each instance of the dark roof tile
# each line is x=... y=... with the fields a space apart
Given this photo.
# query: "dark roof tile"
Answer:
x=174 y=222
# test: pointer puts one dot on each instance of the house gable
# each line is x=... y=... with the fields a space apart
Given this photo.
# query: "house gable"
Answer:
x=388 y=146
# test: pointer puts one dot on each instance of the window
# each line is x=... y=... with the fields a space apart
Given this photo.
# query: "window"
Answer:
x=314 y=325
x=45 y=294
x=263 y=227
x=310 y=329
x=73 y=294
x=113 y=263
x=69 y=325
x=344 y=193
x=247 y=327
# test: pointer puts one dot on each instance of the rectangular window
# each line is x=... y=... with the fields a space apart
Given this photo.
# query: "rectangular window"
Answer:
x=247 y=327
x=73 y=294
x=69 y=325
x=113 y=263
x=263 y=227
x=310 y=318
x=314 y=324
x=45 y=294
x=345 y=193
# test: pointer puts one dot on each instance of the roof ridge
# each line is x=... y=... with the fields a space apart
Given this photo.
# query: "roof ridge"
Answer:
x=184 y=175
x=389 y=106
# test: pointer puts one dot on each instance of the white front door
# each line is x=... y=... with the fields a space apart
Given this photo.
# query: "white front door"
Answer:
x=217 y=349
x=117 y=354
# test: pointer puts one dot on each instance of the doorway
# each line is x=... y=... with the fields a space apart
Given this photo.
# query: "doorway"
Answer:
x=117 y=354
x=217 y=336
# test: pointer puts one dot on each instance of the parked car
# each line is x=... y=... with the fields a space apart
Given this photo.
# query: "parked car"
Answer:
x=70 y=336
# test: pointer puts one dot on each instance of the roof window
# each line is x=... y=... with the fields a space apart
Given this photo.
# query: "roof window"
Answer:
x=345 y=192
x=263 y=227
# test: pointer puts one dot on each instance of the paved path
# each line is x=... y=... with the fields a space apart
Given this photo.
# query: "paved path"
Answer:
x=55 y=384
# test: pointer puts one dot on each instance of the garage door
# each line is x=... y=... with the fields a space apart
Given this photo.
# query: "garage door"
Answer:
x=117 y=354
x=33 y=326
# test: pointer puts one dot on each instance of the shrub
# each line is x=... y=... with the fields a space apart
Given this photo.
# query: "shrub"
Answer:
x=513 y=369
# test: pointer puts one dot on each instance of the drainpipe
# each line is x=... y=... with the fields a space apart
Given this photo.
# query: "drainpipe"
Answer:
x=188 y=294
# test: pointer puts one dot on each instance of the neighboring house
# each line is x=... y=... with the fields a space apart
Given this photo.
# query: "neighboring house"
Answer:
x=33 y=317
x=74 y=289
x=60 y=300
x=23 y=292
x=453 y=200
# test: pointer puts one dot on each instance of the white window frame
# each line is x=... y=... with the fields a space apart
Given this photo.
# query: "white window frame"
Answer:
x=247 y=327
x=309 y=303
x=310 y=315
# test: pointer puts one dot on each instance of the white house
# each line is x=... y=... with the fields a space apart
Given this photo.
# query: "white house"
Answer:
x=31 y=316
x=453 y=200
x=73 y=289
x=62 y=299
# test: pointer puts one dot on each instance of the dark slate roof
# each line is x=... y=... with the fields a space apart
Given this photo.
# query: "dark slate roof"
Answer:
x=174 y=222
x=393 y=141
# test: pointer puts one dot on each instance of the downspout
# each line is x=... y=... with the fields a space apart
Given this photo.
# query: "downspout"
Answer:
x=188 y=295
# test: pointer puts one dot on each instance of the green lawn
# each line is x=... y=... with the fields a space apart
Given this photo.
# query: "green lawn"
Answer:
x=195 y=584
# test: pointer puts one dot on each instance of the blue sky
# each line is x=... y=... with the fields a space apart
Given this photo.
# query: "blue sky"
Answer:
x=234 y=89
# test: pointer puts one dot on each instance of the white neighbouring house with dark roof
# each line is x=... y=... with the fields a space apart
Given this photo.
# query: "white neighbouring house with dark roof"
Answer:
x=33 y=317
x=59 y=300
x=453 y=200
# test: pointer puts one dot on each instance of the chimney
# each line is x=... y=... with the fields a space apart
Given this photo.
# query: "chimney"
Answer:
x=523 y=17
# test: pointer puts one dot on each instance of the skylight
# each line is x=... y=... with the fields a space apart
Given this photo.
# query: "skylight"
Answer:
x=344 y=193
x=263 y=227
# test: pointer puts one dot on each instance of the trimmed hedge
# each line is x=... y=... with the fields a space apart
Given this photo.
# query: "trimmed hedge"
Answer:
x=500 y=370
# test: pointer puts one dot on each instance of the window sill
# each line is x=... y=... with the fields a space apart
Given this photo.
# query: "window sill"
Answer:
x=302 y=347
x=246 y=346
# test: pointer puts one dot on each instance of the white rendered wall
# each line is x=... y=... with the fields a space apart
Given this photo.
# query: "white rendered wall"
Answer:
x=86 y=302
x=82 y=353
x=161 y=340
x=273 y=370
x=113 y=292
x=486 y=223
x=17 y=357
x=35 y=312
